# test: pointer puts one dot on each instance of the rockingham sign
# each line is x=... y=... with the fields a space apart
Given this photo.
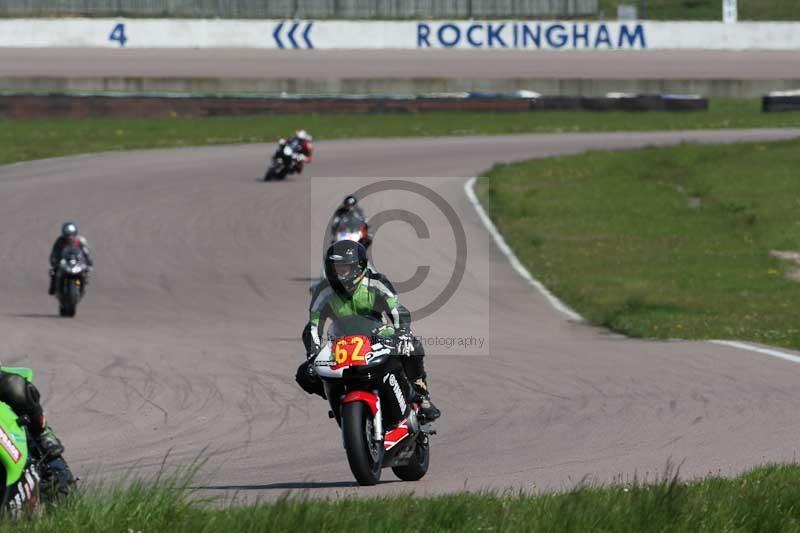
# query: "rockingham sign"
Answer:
x=535 y=35
x=408 y=35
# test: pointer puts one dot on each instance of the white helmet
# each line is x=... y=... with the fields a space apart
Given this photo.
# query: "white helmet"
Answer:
x=303 y=135
x=69 y=229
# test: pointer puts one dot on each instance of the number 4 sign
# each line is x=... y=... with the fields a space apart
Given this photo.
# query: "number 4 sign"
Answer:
x=118 y=34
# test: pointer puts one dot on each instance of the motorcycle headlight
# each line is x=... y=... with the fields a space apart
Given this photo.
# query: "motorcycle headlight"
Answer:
x=287 y=151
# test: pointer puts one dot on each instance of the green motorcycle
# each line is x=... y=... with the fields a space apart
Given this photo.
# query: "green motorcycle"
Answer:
x=29 y=478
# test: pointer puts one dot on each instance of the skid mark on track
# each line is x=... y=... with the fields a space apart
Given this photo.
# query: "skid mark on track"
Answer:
x=256 y=289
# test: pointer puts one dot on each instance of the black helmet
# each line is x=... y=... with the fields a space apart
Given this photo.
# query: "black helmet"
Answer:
x=350 y=201
x=69 y=229
x=345 y=266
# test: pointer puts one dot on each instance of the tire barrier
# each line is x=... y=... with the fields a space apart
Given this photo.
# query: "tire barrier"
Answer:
x=781 y=101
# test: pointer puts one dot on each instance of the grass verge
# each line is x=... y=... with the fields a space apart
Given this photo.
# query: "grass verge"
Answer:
x=764 y=499
x=22 y=140
x=662 y=242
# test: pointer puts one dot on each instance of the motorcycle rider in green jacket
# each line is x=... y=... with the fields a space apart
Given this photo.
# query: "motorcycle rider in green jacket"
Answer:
x=23 y=398
x=351 y=288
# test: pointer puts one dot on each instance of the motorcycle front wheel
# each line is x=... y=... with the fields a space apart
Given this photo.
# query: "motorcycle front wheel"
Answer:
x=69 y=303
x=364 y=454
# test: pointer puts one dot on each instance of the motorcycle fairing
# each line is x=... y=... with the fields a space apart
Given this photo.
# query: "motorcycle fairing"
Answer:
x=393 y=437
x=13 y=445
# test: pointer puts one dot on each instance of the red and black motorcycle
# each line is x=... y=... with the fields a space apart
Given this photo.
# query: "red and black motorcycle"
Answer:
x=373 y=402
x=288 y=159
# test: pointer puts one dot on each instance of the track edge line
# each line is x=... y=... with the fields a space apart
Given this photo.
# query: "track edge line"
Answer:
x=516 y=264
x=469 y=189
x=758 y=349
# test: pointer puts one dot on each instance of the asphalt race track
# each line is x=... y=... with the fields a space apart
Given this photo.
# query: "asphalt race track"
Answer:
x=188 y=340
x=338 y=64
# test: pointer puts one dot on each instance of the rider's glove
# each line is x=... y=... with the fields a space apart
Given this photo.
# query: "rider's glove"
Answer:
x=313 y=353
x=311 y=371
x=406 y=344
x=385 y=331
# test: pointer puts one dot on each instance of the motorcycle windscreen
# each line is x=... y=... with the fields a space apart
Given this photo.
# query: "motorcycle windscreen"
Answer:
x=351 y=226
x=355 y=325
x=73 y=254
x=72 y=261
x=350 y=343
x=13 y=445
x=345 y=236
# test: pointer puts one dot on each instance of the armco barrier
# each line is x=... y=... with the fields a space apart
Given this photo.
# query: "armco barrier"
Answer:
x=76 y=106
x=413 y=35
x=723 y=88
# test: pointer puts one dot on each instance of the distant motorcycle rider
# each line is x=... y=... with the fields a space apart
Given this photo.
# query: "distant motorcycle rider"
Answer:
x=69 y=238
x=303 y=147
x=23 y=398
x=354 y=289
x=351 y=208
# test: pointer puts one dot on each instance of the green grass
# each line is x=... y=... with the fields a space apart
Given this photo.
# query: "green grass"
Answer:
x=34 y=139
x=764 y=499
x=654 y=9
x=706 y=9
x=661 y=242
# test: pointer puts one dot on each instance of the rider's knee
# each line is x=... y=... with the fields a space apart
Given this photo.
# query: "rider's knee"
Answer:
x=21 y=395
x=418 y=348
x=308 y=381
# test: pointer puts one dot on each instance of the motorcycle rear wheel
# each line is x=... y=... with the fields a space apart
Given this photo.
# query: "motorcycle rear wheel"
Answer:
x=418 y=465
x=363 y=453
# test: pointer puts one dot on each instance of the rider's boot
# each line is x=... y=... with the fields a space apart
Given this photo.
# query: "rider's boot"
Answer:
x=57 y=478
x=52 y=290
x=428 y=411
x=51 y=446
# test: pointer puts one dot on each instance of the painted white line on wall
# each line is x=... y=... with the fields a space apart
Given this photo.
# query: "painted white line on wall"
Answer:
x=469 y=189
x=759 y=349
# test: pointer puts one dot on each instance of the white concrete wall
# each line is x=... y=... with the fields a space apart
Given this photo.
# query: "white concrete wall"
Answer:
x=533 y=35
